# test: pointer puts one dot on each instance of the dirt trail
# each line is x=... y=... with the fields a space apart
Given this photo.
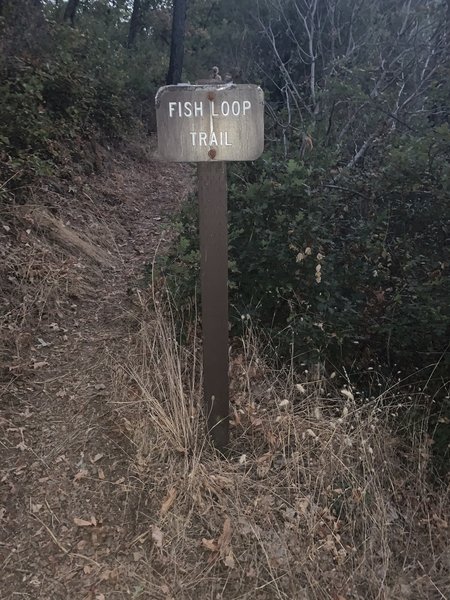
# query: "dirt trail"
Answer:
x=65 y=520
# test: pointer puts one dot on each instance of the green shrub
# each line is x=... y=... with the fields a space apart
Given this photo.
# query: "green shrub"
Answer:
x=47 y=100
x=353 y=270
x=349 y=270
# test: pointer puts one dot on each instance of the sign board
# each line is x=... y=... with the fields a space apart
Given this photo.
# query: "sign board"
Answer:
x=213 y=122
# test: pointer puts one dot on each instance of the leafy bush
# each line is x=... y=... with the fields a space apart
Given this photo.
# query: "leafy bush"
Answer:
x=54 y=101
x=352 y=269
x=348 y=269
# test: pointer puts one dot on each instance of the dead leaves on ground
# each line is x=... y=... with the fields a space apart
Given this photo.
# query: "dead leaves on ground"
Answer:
x=221 y=548
x=157 y=536
x=168 y=501
x=81 y=474
x=84 y=523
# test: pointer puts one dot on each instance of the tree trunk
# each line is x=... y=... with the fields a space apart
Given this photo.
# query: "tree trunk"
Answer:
x=177 y=42
x=135 y=23
x=71 y=9
x=447 y=21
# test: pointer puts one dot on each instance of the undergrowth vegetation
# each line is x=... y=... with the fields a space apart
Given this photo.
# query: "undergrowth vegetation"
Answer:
x=339 y=234
x=351 y=271
x=63 y=90
x=321 y=497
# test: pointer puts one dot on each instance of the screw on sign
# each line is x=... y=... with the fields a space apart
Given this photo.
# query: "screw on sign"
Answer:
x=211 y=124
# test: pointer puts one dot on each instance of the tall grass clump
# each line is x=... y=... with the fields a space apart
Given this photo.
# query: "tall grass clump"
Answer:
x=320 y=496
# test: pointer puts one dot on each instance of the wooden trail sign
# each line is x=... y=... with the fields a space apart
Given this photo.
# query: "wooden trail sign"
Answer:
x=211 y=124
x=200 y=123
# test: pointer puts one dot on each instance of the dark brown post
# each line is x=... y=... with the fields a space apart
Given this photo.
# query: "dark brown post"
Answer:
x=212 y=192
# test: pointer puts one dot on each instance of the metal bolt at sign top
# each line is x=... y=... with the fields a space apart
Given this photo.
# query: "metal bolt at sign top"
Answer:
x=211 y=96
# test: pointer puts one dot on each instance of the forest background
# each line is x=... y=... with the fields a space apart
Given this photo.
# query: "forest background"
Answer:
x=339 y=233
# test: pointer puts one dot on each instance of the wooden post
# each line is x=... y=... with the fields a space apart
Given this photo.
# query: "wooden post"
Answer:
x=212 y=192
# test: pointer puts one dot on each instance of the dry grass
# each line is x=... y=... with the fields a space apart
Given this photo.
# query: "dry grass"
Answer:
x=34 y=282
x=45 y=268
x=319 y=498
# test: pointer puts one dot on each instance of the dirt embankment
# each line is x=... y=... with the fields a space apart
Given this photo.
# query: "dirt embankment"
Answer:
x=70 y=259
